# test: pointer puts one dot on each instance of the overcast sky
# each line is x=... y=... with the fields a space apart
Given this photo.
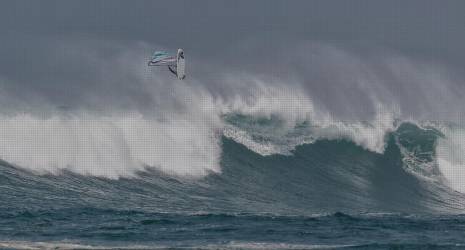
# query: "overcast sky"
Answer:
x=431 y=28
x=35 y=33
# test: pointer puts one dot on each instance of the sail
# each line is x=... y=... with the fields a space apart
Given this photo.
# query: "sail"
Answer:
x=162 y=58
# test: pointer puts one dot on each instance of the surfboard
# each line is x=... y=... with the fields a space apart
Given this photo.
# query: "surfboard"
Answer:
x=181 y=64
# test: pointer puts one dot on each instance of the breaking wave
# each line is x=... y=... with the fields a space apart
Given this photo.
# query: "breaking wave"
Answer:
x=380 y=165
x=269 y=141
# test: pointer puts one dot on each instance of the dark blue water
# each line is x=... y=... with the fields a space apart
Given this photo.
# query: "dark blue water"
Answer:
x=120 y=228
x=331 y=193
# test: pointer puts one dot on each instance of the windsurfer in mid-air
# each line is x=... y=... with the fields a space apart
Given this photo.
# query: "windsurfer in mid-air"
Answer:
x=176 y=64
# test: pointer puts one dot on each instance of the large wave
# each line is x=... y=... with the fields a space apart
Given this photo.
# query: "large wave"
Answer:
x=186 y=128
x=321 y=177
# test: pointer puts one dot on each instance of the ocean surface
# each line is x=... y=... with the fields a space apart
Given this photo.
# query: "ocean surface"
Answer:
x=303 y=125
x=278 y=187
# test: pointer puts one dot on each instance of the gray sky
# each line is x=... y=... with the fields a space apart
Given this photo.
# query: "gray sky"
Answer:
x=44 y=44
x=428 y=28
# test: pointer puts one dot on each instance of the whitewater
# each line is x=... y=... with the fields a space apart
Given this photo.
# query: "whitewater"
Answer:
x=249 y=152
